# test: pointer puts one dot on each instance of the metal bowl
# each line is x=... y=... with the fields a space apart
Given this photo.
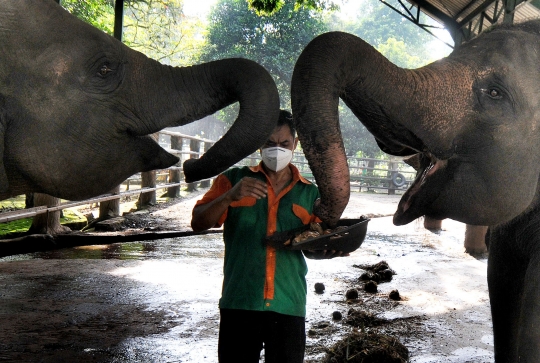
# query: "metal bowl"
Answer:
x=346 y=240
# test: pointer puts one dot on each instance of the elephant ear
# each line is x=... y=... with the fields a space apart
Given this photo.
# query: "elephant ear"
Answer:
x=3 y=176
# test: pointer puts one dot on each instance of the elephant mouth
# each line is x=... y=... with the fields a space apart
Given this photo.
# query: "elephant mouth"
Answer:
x=424 y=190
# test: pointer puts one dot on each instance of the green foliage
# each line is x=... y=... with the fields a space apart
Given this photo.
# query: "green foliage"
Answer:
x=23 y=225
x=99 y=13
x=17 y=226
x=399 y=40
x=156 y=28
x=377 y=24
x=266 y=7
x=14 y=203
x=270 y=7
x=274 y=41
x=159 y=29
x=396 y=51
x=356 y=138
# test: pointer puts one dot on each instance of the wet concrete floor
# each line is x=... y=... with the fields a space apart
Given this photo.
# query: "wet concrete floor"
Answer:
x=156 y=301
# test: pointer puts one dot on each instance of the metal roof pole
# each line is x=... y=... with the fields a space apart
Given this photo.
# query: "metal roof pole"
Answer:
x=416 y=18
x=118 y=19
x=509 y=7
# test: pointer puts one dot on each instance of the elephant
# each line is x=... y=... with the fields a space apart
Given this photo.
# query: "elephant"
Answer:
x=77 y=106
x=474 y=119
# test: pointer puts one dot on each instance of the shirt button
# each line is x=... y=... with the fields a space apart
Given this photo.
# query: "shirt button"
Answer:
x=267 y=304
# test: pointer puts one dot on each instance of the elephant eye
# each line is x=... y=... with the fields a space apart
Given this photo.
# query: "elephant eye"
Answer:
x=104 y=70
x=493 y=93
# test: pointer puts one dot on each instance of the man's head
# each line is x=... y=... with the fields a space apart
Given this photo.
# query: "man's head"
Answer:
x=286 y=119
x=284 y=134
x=282 y=138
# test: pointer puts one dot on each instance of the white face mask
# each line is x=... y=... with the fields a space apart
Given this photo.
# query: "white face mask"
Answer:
x=276 y=158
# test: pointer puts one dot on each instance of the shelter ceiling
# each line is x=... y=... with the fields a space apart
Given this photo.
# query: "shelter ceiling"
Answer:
x=465 y=19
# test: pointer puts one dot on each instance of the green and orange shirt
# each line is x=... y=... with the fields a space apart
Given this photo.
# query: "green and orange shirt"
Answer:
x=256 y=276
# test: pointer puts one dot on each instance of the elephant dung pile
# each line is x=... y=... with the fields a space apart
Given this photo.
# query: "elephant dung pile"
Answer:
x=360 y=347
x=373 y=338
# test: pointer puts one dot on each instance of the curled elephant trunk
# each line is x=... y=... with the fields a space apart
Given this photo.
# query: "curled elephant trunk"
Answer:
x=200 y=90
x=328 y=69
x=384 y=97
x=176 y=96
x=246 y=82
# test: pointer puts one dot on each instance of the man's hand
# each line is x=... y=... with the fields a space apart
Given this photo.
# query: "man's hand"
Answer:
x=324 y=254
x=248 y=187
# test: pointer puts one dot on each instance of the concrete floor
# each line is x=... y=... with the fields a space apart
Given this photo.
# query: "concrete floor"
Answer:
x=156 y=301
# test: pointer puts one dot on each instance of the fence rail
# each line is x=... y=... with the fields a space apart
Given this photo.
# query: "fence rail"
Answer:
x=366 y=174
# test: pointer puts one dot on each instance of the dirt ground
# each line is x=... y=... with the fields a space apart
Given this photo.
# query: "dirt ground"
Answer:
x=156 y=301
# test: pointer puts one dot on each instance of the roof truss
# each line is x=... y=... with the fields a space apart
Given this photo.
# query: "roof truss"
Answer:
x=465 y=19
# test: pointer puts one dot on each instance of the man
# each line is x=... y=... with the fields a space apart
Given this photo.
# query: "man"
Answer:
x=264 y=290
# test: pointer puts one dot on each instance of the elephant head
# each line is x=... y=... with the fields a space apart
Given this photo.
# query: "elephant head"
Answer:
x=77 y=106
x=473 y=116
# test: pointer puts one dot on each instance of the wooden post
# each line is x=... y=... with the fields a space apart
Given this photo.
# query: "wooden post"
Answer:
x=370 y=173
x=29 y=200
x=48 y=222
x=392 y=168
x=175 y=175
x=207 y=145
x=148 y=180
x=194 y=145
x=110 y=208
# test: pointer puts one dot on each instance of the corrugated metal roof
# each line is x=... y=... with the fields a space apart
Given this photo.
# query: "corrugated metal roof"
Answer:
x=471 y=17
x=462 y=10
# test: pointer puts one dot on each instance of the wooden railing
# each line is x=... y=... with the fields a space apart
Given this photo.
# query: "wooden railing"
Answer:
x=366 y=174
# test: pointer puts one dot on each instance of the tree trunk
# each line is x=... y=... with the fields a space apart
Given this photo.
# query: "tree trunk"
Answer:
x=47 y=223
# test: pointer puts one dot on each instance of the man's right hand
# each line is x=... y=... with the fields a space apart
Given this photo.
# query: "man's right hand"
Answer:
x=248 y=187
x=206 y=216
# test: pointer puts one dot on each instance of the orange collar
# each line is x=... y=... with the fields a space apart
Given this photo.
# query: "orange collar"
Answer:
x=295 y=172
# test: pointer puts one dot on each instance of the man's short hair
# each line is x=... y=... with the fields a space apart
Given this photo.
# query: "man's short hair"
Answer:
x=286 y=118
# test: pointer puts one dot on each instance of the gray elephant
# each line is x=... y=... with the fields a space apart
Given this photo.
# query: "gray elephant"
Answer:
x=77 y=106
x=475 y=118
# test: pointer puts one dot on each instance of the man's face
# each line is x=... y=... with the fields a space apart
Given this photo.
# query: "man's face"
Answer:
x=281 y=137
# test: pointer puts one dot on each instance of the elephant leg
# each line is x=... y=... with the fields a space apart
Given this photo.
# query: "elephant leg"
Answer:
x=432 y=224
x=529 y=333
x=506 y=275
x=475 y=239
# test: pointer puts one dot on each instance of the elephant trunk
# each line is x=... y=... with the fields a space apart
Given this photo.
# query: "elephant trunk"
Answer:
x=385 y=98
x=200 y=90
